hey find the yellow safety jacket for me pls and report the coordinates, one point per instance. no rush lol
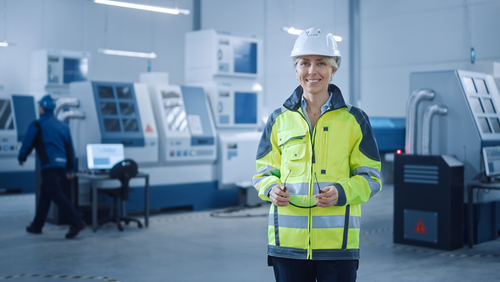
(342, 152)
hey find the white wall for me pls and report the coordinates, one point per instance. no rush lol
(80, 25)
(400, 37)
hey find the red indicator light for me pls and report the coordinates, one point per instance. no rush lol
(398, 152)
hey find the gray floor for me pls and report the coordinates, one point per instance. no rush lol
(193, 246)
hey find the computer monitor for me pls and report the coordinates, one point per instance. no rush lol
(104, 156)
(491, 156)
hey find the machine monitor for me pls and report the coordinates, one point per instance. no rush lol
(104, 156)
(491, 156)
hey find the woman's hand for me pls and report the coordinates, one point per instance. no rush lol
(328, 197)
(279, 197)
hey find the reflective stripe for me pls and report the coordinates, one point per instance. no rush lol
(256, 181)
(276, 229)
(289, 221)
(335, 254)
(301, 189)
(355, 222)
(335, 221)
(367, 172)
(300, 222)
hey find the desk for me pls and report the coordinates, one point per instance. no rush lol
(94, 178)
(470, 187)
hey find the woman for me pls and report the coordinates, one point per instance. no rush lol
(317, 161)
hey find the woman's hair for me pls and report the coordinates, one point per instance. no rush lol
(331, 61)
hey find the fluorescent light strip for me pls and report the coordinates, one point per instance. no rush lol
(294, 31)
(151, 55)
(4, 44)
(143, 7)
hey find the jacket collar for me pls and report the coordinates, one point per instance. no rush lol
(293, 103)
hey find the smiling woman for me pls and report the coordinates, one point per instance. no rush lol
(317, 162)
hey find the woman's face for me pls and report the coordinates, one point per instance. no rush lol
(313, 73)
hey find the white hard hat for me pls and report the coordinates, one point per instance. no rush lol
(315, 41)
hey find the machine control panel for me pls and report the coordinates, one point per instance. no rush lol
(482, 96)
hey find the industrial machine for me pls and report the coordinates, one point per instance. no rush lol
(229, 68)
(16, 114)
(115, 113)
(452, 115)
(187, 132)
(212, 54)
(52, 70)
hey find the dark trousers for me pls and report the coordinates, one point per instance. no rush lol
(297, 270)
(50, 190)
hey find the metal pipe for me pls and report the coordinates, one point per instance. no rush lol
(427, 126)
(62, 103)
(70, 115)
(411, 117)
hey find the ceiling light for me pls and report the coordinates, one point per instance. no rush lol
(174, 11)
(4, 44)
(151, 55)
(294, 31)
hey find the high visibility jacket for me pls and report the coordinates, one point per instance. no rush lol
(341, 152)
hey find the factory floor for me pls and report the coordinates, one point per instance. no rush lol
(195, 246)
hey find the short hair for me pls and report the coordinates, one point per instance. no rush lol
(331, 61)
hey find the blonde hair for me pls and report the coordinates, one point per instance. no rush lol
(331, 61)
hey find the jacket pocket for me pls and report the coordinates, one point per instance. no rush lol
(294, 149)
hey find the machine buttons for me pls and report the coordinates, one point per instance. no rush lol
(193, 153)
(172, 153)
(5, 148)
(186, 153)
(179, 153)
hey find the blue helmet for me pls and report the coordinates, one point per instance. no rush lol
(47, 102)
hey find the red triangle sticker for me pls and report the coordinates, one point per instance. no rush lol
(420, 228)
(149, 129)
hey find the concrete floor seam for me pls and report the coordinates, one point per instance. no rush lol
(59, 276)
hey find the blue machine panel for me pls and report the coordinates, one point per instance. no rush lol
(24, 112)
(245, 57)
(195, 103)
(75, 70)
(118, 114)
(389, 133)
(245, 108)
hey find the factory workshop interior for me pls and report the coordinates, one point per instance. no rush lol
(167, 102)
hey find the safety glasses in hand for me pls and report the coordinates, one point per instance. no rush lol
(302, 201)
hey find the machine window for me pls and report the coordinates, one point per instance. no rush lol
(488, 106)
(105, 92)
(476, 106)
(124, 92)
(483, 124)
(481, 86)
(127, 109)
(108, 108)
(469, 85)
(130, 125)
(6, 117)
(495, 123)
(112, 125)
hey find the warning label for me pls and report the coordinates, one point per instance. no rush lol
(149, 129)
(420, 228)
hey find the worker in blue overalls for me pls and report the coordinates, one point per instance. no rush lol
(52, 140)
